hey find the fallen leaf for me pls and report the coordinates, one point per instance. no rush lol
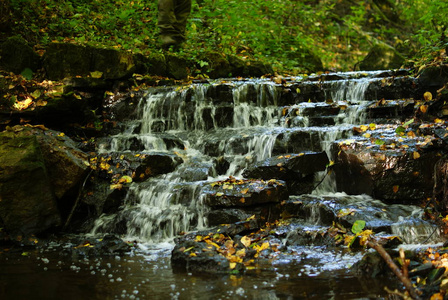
(427, 96)
(246, 241)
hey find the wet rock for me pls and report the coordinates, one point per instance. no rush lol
(201, 262)
(371, 265)
(241, 193)
(394, 173)
(440, 192)
(288, 166)
(265, 213)
(433, 77)
(41, 170)
(297, 170)
(16, 55)
(156, 164)
(382, 57)
(309, 236)
(107, 246)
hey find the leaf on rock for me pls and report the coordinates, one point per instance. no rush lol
(246, 241)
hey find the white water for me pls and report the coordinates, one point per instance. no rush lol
(169, 204)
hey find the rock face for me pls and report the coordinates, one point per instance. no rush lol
(40, 170)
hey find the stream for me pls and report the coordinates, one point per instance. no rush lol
(218, 130)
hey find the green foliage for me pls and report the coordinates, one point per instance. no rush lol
(358, 226)
(280, 32)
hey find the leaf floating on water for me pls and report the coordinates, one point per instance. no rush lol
(219, 194)
(416, 155)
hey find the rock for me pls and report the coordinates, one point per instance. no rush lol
(393, 172)
(288, 166)
(433, 77)
(156, 164)
(109, 245)
(305, 59)
(63, 60)
(154, 64)
(371, 265)
(40, 171)
(216, 66)
(382, 57)
(176, 66)
(242, 193)
(16, 55)
(200, 263)
(297, 170)
(67, 60)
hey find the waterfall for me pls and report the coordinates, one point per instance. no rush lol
(237, 122)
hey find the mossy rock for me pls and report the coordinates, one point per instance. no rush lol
(217, 65)
(306, 60)
(382, 57)
(16, 55)
(67, 60)
(64, 60)
(154, 64)
(176, 67)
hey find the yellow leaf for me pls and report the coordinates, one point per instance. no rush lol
(427, 96)
(241, 253)
(251, 218)
(416, 155)
(423, 108)
(192, 254)
(23, 104)
(117, 186)
(125, 179)
(232, 265)
(264, 246)
(96, 74)
(219, 194)
(246, 241)
(61, 134)
(395, 188)
(364, 127)
(244, 191)
(372, 126)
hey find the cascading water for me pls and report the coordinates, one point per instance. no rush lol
(238, 122)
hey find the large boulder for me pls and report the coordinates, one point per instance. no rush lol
(39, 175)
(394, 170)
(16, 55)
(382, 57)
